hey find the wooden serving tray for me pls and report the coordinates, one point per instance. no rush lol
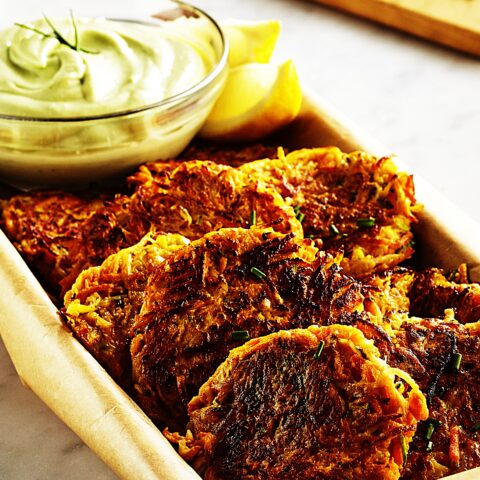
(51, 362)
(454, 23)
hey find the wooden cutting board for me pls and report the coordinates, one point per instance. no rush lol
(454, 23)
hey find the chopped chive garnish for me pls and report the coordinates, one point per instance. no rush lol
(429, 432)
(258, 273)
(310, 235)
(398, 384)
(240, 335)
(436, 423)
(319, 350)
(476, 427)
(432, 424)
(334, 229)
(296, 209)
(253, 218)
(300, 217)
(365, 222)
(403, 446)
(456, 361)
(265, 235)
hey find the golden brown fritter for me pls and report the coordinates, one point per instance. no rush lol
(60, 234)
(211, 295)
(104, 300)
(197, 197)
(351, 202)
(442, 356)
(303, 404)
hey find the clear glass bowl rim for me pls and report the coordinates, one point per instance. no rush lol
(178, 98)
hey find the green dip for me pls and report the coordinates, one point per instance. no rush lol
(131, 65)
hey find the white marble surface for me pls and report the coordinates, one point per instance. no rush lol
(420, 100)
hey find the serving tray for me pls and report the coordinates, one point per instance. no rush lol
(74, 386)
(454, 23)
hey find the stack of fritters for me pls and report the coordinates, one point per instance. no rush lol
(353, 203)
(269, 247)
(61, 234)
(219, 291)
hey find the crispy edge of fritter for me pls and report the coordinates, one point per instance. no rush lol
(387, 299)
(101, 305)
(198, 447)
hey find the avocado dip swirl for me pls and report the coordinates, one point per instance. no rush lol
(120, 66)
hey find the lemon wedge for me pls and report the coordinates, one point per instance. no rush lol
(257, 99)
(251, 41)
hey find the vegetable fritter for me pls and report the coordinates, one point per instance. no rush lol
(60, 234)
(197, 197)
(303, 404)
(220, 290)
(351, 202)
(103, 302)
(442, 357)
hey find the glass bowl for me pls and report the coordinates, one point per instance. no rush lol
(73, 151)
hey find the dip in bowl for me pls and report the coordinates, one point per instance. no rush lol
(84, 98)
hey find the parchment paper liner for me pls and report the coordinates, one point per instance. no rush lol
(70, 381)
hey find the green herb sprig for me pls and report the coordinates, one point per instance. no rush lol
(334, 230)
(240, 335)
(365, 222)
(253, 218)
(404, 449)
(258, 273)
(57, 35)
(319, 350)
(456, 361)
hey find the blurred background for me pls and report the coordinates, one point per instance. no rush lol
(420, 100)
